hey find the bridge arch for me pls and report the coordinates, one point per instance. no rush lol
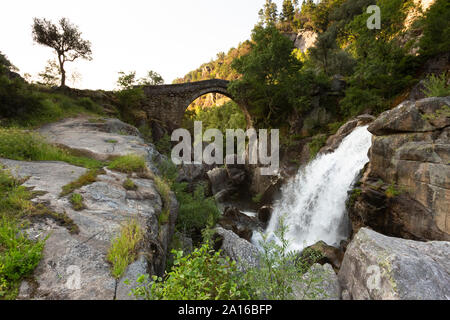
(168, 103)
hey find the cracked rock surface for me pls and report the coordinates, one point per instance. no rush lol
(74, 265)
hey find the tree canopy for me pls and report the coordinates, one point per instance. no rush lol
(65, 38)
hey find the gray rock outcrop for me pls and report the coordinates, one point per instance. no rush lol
(74, 264)
(405, 190)
(380, 267)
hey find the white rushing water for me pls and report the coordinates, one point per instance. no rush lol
(313, 203)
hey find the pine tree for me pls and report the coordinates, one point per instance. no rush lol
(287, 15)
(269, 13)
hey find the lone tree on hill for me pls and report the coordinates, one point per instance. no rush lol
(65, 39)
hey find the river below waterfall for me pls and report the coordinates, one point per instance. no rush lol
(313, 203)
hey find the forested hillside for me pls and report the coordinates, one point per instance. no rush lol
(350, 70)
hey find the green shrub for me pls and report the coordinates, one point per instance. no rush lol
(128, 184)
(201, 275)
(90, 105)
(280, 271)
(257, 198)
(128, 164)
(123, 250)
(436, 86)
(76, 200)
(196, 211)
(316, 144)
(22, 104)
(164, 145)
(19, 256)
(392, 191)
(28, 146)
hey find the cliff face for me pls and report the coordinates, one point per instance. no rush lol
(405, 189)
(305, 39)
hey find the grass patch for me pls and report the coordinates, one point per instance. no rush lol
(86, 179)
(128, 184)
(164, 190)
(18, 254)
(111, 141)
(392, 191)
(76, 200)
(128, 164)
(17, 144)
(123, 250)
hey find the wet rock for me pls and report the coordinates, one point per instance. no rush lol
(236, 172)
(380, 267)
(238, 222)
(335, 140)
(417, 91)
(264, 214)
(329, 254)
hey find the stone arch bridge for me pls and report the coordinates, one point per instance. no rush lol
(168, 103)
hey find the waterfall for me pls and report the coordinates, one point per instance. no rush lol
(313, 203)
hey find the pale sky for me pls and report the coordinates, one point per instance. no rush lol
(171, 37)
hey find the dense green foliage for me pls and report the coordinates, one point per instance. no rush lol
(227, 116)
(437, 86)
(202, 275)
(279, 275)
(196, 211)
(436, 29)
(271, 85)
(23, 104)
(206, 274)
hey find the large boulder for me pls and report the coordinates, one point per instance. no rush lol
(238, 222)
(380, 267)
(221, 185)
(320, 282)
(328, 254)
(405, 189)
(242, 251)
(335, 140)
